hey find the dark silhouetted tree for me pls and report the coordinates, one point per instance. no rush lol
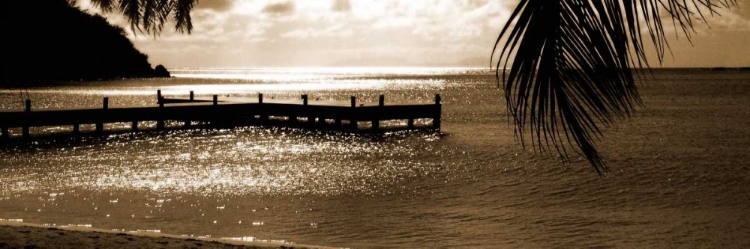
(50, 40)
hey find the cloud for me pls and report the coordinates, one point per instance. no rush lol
(274, 32)
(337, 31)
(341, 6)
(279, 8)
(216, 5)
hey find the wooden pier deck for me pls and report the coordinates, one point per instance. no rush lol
(228, 114)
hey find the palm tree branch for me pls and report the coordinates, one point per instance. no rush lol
(566, 65)
(150, 16)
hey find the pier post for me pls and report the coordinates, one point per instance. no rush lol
(263, 116)
(310, 119)
(352, 120)
(410, 124)
(77, 130)
(159, 98)
(100, 125)
(376, 120)
(134, 126)
(160, 121)
(436, 117)
(188, 123)
(25, 128)
(26, 133)
(214, 119)
(6, 134)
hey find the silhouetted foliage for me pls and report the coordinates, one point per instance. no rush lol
(161, 71)
(570, 64)
(50, 40)
(149, 16)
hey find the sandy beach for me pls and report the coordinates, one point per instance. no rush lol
(25, 235)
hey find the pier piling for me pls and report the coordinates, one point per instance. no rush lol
(160, 122)
(25, 128)
(310, 119)
(353, 122)
(215, 115)
(376, 121)
(436, 117)
(263, 117)
(100, 125)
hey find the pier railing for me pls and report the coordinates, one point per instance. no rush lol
(214, 113)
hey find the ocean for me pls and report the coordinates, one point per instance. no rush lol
(678, 167)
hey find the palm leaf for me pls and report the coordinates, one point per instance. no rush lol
(566, 65)
(150, 16)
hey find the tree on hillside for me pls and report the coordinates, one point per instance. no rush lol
(64, 43)
(566, 65)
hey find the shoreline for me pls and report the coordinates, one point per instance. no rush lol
(16, 234)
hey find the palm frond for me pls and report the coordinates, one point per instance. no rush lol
(150, 16)
(566, 65)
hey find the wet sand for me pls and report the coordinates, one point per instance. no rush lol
(24, 235)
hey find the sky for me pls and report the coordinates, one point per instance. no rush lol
(405, 33)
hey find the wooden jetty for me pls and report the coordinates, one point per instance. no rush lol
(228, 114)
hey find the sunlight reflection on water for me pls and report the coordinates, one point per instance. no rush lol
(226, 162)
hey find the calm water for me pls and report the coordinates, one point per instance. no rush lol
(679, 168)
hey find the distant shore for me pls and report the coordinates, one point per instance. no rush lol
(26, 235)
